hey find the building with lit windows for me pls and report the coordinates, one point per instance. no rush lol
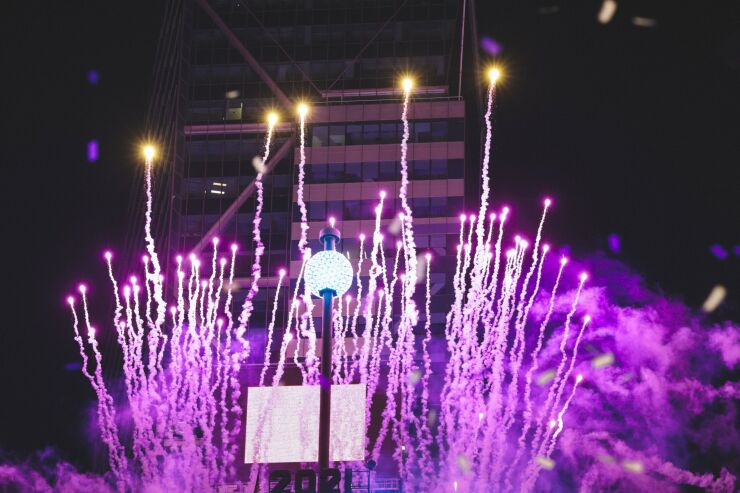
(233, 60)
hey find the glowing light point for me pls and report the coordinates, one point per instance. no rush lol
(82, 288)
(133, 280)
(362, 236)
(178, 259)
(70, 300)
(492, 216)
(399, 245)
(545, 247)
(584, 276)
(145, 259)
(564, 260)
(215, 240)
(332, 221)
(108, 255)
(548, 202)
(494, 74)
(382, 194)
(222, 261)
(281, 272)
(480, 416)
(348, 298)
(149, 152)
(579, 378)
(552, 423)
(272, 118)
(428, 256)
(173, 310)
(302, 110)
(407, 83)
(463, 217)
(234, 247)
(587, 318)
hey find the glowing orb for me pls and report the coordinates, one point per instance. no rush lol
(149, 152)
(328, 269)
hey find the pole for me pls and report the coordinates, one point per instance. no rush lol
(325, 383)
(329, 237)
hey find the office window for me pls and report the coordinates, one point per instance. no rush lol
(353, 172)
(320, 136)
(354, 135)
(419, 169)
(335, 173)
(316, 211)
(371, 133)
(388, 171)
(438, 169)
(389, 133)
(370, 172)
(336, 135)
(317, 172)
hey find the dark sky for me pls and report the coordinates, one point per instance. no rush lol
(634, 131)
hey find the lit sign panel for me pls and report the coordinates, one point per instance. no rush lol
(283, 424)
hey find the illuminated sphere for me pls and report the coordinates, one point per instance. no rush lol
(328, 269)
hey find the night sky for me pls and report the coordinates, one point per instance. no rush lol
(634, 131)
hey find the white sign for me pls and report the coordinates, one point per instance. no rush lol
(283, 424)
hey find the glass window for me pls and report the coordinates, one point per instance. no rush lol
(371, 133)
(438, 168)
(316, 211)
(320, 136)
(336, 135)
(352, 209)
(439, 131)
(388, 170)
(353, 172)
(419, 169)
(335, 173)
(354, 134)
(420, 206)
(370, 172)
(334, 208)
(389, 133)
(317, 172)
(422, 132)
(438, 207)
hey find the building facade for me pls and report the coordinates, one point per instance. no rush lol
(241, 58)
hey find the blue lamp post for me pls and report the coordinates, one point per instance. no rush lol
(328, 274)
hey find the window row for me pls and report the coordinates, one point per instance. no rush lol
(387, 132)
(424, 169)
(365, 209)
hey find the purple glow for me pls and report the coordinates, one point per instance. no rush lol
(92, 151)
(615, 243)
(93, 77)
(719, 252)
(491, 46)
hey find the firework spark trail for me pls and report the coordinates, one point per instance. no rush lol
(156, 279)
(271, 328)
(544, 411)
(532, 369)
(485, 179)
(303, 241)
(425, 441)
(350, 364)
(562, 412)
(564, 380)
(408, 218)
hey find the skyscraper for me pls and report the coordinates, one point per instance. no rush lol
(234, 60)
